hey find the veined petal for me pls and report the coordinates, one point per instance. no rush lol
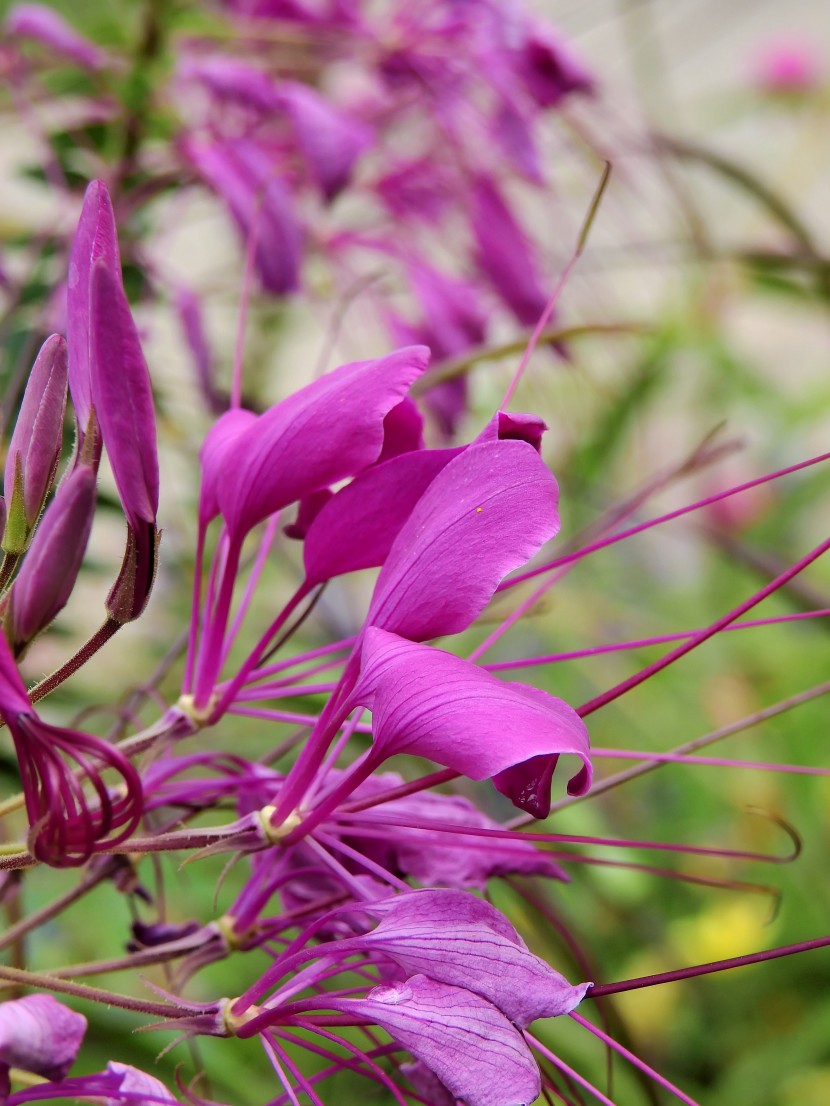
(331, 429)
(214, 457)
(469, 1044)
(357, 526)
(456, 938)
(487, 512)
(429, 703)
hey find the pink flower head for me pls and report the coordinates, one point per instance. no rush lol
(67, 825)
(788, 67)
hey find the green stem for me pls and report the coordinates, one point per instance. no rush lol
(46, 982)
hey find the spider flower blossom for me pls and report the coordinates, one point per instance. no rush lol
(458, 986)
(67, 825)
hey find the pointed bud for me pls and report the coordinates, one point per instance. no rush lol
(96, 237)
(49, 572)
(36, 444)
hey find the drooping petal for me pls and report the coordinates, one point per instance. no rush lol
(327, 431)
(40, 1035)
(455, 938)
(429, 703)
(469, 1044)
(487, 512)
(122, 396)
(35, 447)
(96, 237)
(47, 576)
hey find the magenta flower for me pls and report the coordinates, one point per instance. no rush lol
(34, 450)
(429, 703)
(67, 825)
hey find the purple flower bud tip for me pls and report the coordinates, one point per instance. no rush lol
(40, 1035)
(36, 443)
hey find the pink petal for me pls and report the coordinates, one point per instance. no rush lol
(487, 512)
(40, 1035)
(469, 1045)
(429, 703)
(456, 938)
(327, 431)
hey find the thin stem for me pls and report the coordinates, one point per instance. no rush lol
(560, 285)
(703, 635)
(70, 667)
(93, 994)
(706, 969)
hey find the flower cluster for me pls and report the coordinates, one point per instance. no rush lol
(368, 830)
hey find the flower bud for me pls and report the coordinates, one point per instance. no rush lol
(36, 444)
(48, 574)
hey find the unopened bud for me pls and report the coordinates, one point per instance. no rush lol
(50, 569)
(36, 445)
